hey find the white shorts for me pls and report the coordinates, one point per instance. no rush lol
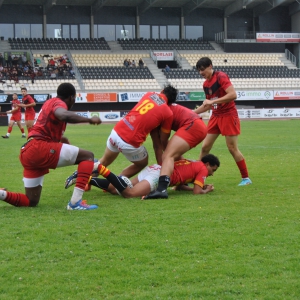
(67, 157)
(151, 174)
(116, 144)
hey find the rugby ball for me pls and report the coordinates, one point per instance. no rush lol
(127, 181)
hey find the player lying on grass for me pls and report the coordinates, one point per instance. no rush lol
(185, 171)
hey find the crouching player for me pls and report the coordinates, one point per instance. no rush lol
(46, 148)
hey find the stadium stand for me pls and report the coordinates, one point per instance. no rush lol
(102, 71)
(247, 71)
(58, 44)
(165, 44)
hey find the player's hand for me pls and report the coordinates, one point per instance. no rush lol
(95, 120)
(21, 105)
(65, 140)
(208, 187)
(207, 103)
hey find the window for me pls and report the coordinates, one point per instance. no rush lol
(84, 30)
(107, 31)
(125, 31)
(22, 30)
(53, 30)
(173, 32)
(74, 31)
(193, 32)
(36, 30)
(145, 31)
(7, 30)
(66, 31)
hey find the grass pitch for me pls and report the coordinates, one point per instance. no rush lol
(233, 243)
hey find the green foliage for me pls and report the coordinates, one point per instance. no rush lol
(234, 243)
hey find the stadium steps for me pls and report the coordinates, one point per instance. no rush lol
(115, 46)
(4, 46)
(217, 47)
(156, 72)
(287, 62)
(185, 64)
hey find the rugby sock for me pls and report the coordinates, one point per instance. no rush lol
(85, 169)
(77, 195)
(99, 183)
(163, 183)
(22, 130)
(9, 130)
(115, 180)
(243, 168)
(15, 199)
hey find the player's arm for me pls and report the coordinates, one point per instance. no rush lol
(64, 140)
(199, 190)
(182, 187)
(157, 146)
(230, 96)
(201, 109)
(27, 105)
(70, 117)
(12, 110)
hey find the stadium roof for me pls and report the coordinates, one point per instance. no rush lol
(228, 6)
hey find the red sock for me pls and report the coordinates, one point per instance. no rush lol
(85, 169)
(9, 130)
(17, 199)
(243, 168)
(22, 130)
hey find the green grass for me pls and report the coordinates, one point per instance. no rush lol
(234, 243)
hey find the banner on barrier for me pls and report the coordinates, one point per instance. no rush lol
(131, 96)
(265, 113)
(277, 37)
(164, 55)
(286, 95)
(255, 95)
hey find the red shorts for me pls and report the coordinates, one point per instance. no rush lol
(29, 116)
(227, 125)
(16, 117)
(38, 156)
(194, 133)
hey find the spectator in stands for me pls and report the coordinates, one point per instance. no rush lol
(24, 60)
(167, 68)
(20, 61)
(72, 73)
(32, 76)
(53, 75)
(39, 73)
(1, 60)
(125, 63)
(133, 64)
(141, 63)
(9, 61)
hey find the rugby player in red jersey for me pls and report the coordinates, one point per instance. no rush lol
(15, 117)
(28, 104)
(220, 96)
(47, 148)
